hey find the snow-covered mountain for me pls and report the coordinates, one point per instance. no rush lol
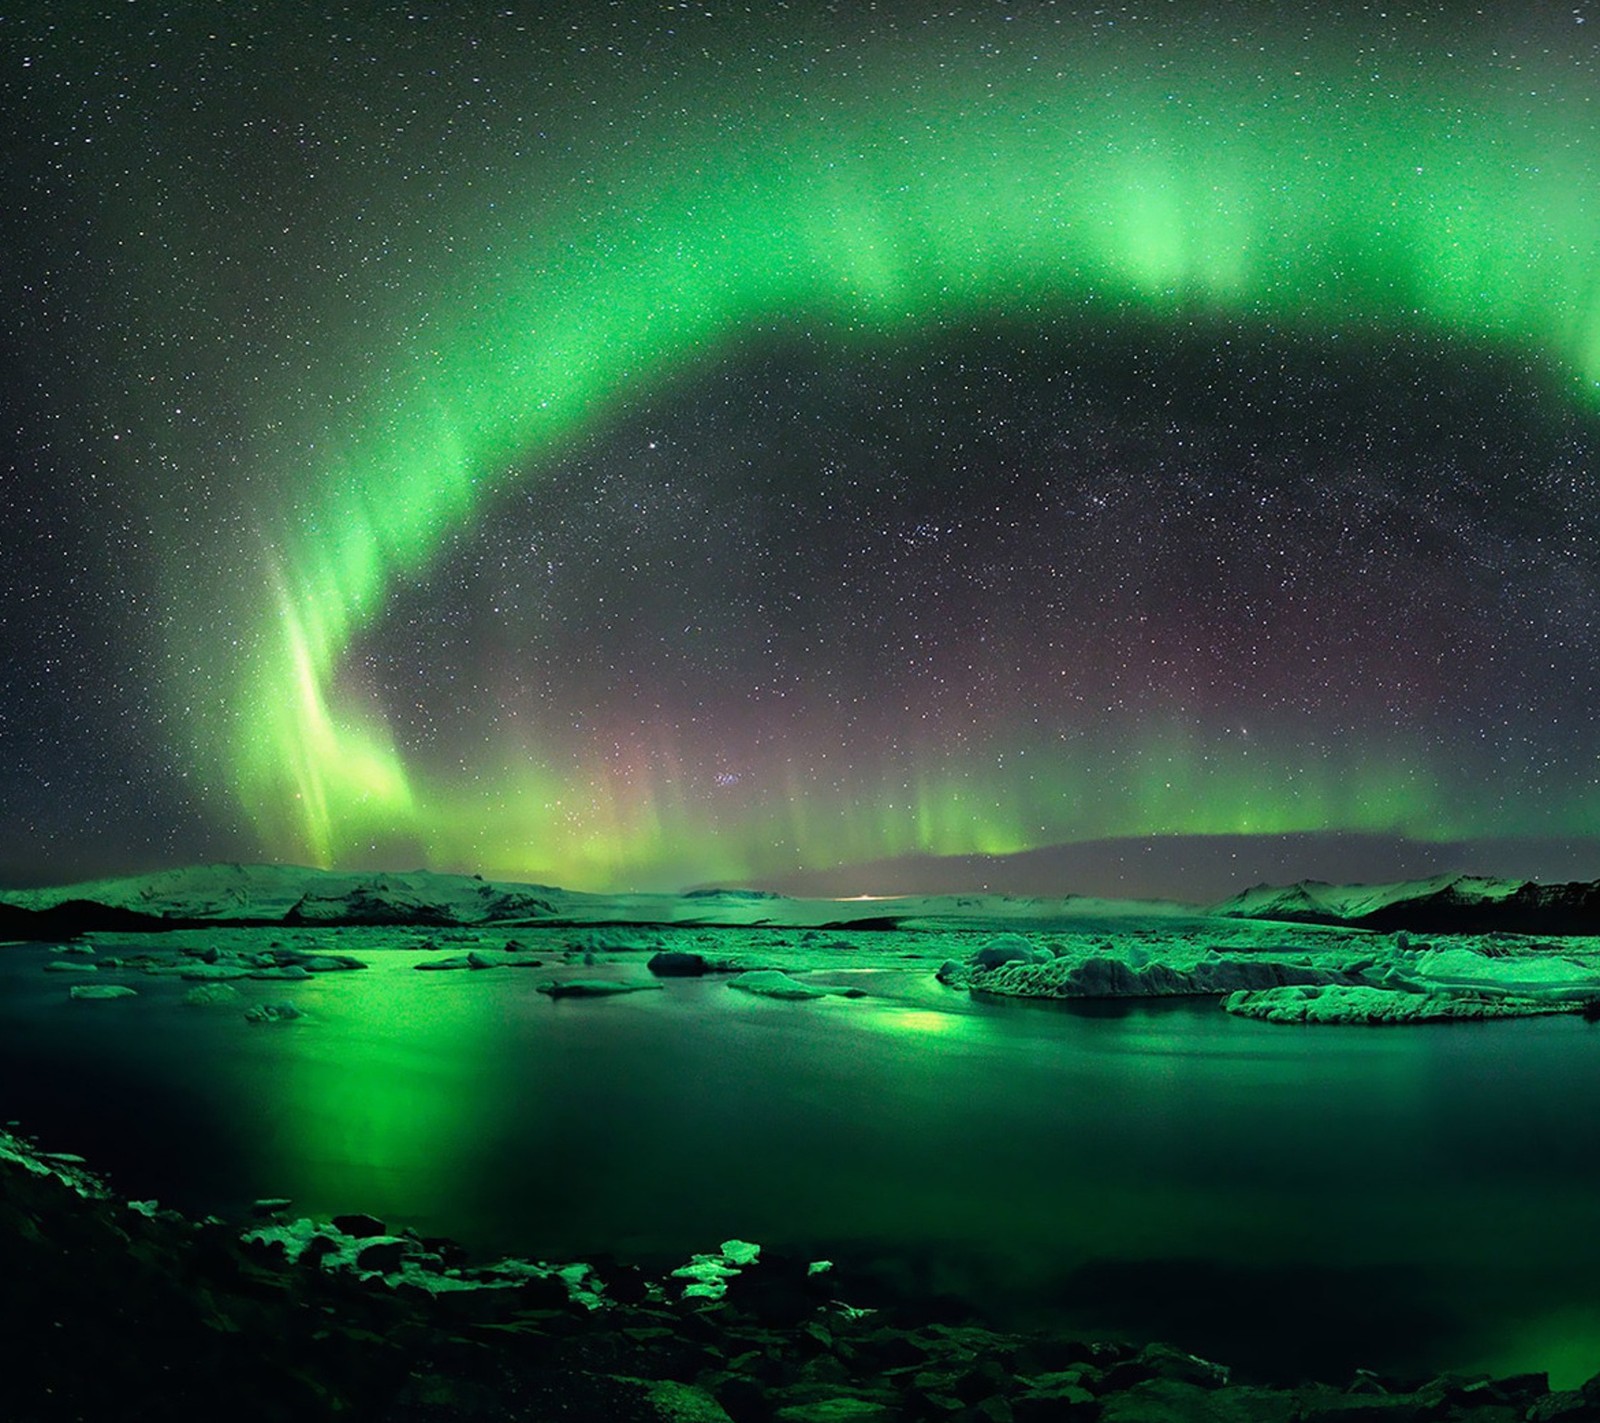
(1442, 904)
(242, 895)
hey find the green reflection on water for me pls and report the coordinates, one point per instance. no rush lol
(388, 1098)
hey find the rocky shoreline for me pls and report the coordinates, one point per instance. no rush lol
(121, 1310)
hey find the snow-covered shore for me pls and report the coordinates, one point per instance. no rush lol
(1278, 956)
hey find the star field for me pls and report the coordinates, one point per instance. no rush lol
(647, 445)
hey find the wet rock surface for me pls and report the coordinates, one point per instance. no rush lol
(121, 1310)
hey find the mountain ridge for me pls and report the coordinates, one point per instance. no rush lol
(239, 895)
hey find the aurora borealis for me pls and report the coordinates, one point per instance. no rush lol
(635, 446)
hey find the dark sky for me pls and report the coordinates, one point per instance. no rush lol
(644, 446)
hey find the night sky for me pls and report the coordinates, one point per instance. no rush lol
(850, 448)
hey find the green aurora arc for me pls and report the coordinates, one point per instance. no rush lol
(874, 219)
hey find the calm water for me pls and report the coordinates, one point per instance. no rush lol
(1287, 1199)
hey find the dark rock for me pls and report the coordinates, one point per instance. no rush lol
(445, 1248)
(367, 904)
(988, 1377)
(1358, 1409)
(825, 1368)
(1052, 1353)
(674, 963)
(1049, 1397)
(890, 1349)
(697, 1324)
(1170, 1363)
(1168, 1401)
(270, 1253)
(625, 1284)
(317, 1248)
(834, 1406)
(814, 1338)
(1525, 1388)
(538, 1292)
(1568, 1406)
(384, 1256)
(1478, 1391)
(359, 1226)
(743, 1399)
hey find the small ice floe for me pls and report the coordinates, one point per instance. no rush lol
(1549, 976)
(774, 983)
(208, 995)
(1340, 1003)
(273, 1013)
(270, 1205)
(594, 988)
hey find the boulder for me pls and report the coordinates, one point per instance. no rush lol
(675, 963)
(360, 1226)
(384, 1256)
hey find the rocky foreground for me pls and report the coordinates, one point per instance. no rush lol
(119, 1310)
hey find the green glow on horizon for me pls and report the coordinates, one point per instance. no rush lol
(1345, 213)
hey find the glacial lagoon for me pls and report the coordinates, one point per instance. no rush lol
(1294, 1201)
